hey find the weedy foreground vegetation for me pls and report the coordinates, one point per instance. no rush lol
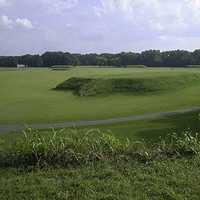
(94, 165)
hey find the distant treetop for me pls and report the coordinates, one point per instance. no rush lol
(150, 58)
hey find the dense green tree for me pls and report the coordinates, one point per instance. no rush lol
(177, 58)
(151, 58)
(8, 61)
(102, 61)
(196, 57)
(53, 58)
(115, 61)
(31, 60)
(129, 58)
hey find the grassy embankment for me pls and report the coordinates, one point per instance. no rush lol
(132, 86)
(27, 95)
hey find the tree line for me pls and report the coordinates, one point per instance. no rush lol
(150, 58)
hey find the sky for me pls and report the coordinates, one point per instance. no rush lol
(85, 26)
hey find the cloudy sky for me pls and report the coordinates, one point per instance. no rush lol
(35, 26)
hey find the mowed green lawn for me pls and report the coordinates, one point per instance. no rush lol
(26, 96)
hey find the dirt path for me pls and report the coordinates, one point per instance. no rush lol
(6, 128)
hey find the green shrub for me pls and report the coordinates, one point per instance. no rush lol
(60, 149)
(71, 148)
(181, 146)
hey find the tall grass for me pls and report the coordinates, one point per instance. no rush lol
(70, 148)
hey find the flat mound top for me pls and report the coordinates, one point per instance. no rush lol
(118, 84)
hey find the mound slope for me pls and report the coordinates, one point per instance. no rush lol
(101, 86)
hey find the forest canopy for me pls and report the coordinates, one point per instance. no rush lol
(149, 58)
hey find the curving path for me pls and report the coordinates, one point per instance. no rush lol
(6, 128)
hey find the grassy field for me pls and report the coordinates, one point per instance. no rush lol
(147, 130)
(27, 95)
(78, 164)
(167, 180)
(152, 130)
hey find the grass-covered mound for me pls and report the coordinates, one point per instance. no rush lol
(101, 86)
(61, 67)
(34, 87)
(136, 66)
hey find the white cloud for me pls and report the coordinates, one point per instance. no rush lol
(24, 22)
(59, 6)
(156, 14)
(4, 3)
(5, 22)
(68, 25)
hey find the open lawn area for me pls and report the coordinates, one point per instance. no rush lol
(27, 96)
(105, 162)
